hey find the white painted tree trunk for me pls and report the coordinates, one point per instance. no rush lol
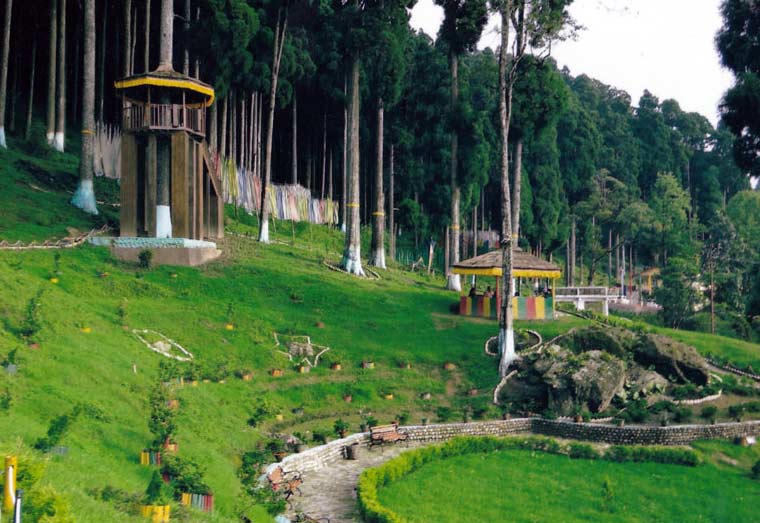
(453, 281)
(50, 135)
(377, 259)
(506, 320)
(60, 125)
(278, 43)
(84, 197)
(352, 262)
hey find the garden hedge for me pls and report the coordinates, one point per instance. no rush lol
(372, 479)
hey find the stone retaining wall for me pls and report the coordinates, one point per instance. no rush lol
(644, 435)
(318, 457)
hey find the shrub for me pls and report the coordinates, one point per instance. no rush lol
(736, 412)
(582, 451)
(145, 258)
(756, 470)
(444, 413)
(709, 413)
(158, 492)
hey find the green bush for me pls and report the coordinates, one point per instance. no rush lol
(709, 413)
(756, 470)
(145, 258)
(582, 451)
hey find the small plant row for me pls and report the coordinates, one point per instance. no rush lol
(371, 479)
(728, 365)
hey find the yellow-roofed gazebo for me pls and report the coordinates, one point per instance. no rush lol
(532, 302)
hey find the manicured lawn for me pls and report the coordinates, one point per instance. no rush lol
(528, 487)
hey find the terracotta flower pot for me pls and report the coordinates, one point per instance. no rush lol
(449, 366)
(276, 373)
(388, 396)
(248, 376)
(347, 398)
(336, 366)
(304, 369)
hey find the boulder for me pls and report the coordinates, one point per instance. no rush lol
(599, 379)
(642, 382)
(591, 379)
(615, 340)
(671, 359)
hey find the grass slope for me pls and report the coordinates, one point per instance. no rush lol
(526, 487)
(283, 287)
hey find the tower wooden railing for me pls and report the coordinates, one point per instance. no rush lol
(164, 117)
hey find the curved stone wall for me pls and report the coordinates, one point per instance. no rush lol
(318, 457)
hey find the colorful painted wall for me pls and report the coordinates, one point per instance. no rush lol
(525, 307)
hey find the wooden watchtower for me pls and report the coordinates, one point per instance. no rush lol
(168, 189)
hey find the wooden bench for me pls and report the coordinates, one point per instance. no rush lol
(287, 483)
(382, 434)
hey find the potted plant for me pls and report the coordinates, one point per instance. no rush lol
(155, 502)
(449, 366)
(368, 363)
(336, 365)
(276, 447)
(340, 427)
(276, 373)
(302, 368)
(404, 364)
(348, 393)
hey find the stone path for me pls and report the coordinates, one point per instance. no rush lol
(330, 492)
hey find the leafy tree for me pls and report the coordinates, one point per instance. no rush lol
(671, 206)
(739, 47)
(461, 29)
(677, 295)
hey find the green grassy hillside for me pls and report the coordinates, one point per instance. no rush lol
(63, 316)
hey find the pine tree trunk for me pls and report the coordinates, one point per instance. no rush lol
(474, 231)
(60, 124)
(186, 38)
(223, 144)
(84, 198)
(324, 156)
(506, 320)
(165, 61)
(30, 104)
(51, 101)
(278, 43)
(14, 94)
(4, 68)
(102, 72)
(377, 259)
(74, 82)
(126, 38)
(330, 177)
(146, 48)
(391, 211)
(344, 165)
(294, 144)
(516, 189)
(212, 132)
(352, 262)
(163, 146)
(133, 41)
(453, 282)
